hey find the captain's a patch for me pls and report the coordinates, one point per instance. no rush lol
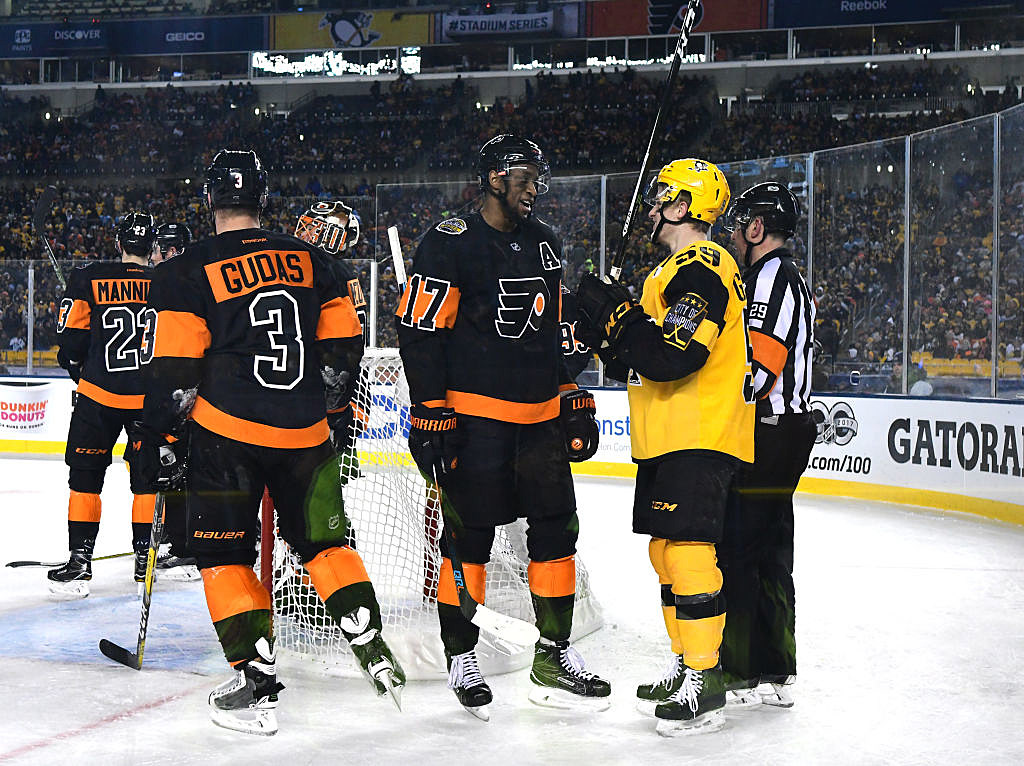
(683, 319)
(452, 226)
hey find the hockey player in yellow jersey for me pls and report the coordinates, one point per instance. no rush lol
(684, 352)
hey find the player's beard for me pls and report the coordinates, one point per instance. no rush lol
(513, 212)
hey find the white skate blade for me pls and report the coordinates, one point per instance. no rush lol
(711, 721)
(559, 699)
(775, 695)
(394, 688)
(68, 591)
(187, 573)
(480, 711)
(738, 699)
(262, 722)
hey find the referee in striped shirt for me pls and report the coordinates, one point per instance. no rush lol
(756, 555)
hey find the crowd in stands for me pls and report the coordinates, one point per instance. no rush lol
(59, 9)
(861, 83)
(586, 123)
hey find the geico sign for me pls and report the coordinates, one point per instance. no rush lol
(76, 34)
(184, 37)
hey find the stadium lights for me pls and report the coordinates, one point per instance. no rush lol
(890, 168)
(188, 181)
(256, 111)
(46, 116)
(302, 137)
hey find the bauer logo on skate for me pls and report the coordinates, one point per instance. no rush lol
(23, 408)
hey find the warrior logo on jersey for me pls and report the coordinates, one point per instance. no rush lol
(547, 257)
(452, 226)
(521, 304)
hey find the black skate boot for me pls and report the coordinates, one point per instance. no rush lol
(649, 696)
(465, 680)
(374, 655)
(697, 706)
(560, 680)
(141, 562)
(71, 580)
(247, 702)
(174, 568)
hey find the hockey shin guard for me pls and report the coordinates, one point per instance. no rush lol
(458, 634)
(700, 609)
(553, 590)
(240, 608)
(340, 579)
(656, 551)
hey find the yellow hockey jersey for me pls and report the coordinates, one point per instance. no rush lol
(713, 408)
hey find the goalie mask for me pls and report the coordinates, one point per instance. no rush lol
(330, 225)
(135, 234)
(506, 151)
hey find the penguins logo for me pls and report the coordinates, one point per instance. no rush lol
(837, 425)
(350, 30)
(521, 304)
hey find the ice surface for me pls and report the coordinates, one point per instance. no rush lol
(910, 645)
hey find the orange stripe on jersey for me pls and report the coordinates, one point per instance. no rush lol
(552, 579)
(142, 509)
(78, 316)
(235, 277)
(182, 334)
(476, 582)
(436, 303)
(84, 506)
(260, 434)
(106, 291)
(567, 387)
(499, 409)
(232, 590)
(334, 569)
(769, 351)
(338, 319)
(107, 399)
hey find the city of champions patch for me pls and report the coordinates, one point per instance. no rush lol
(452, 226)
(683, 319)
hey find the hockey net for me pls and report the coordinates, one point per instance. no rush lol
(396, 527)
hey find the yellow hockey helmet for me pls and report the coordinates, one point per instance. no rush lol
(706, 184)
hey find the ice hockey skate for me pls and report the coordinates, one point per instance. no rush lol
(561, 681)
(247, 702)
(465, 679)
(696, 707)
(775, 691)
(649, 696)
(741, 693)
(374, 656)
(71, 580)
(174, 568)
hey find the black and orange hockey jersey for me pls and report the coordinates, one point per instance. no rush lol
(104, 326)
(478, 323)
(250, 317)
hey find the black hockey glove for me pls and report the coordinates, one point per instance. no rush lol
(73, 366)
(157, 459)
(605, 308)
(340, 424)
(579, 421)
(432, 439)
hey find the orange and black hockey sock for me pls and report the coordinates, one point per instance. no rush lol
(553, 590)
(142, 520)
(458, 634)
(700, 607)
(656, 551)
(240, 608)
(83, 520)
(340, 579)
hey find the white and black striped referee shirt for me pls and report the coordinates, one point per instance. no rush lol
(781, 334)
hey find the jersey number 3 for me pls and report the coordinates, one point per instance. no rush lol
(278, 313)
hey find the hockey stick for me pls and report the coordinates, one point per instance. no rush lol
(43, 205)
(109, 648)
(627, 226)
(508, 630)
(58, 563)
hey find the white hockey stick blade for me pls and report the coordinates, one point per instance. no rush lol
(396, 256)
(509, 629)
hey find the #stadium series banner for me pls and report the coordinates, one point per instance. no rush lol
(563, 21)
(348, 29)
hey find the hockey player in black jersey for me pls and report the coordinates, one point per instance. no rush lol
(496, 418)
(248, 321)
(105, 339)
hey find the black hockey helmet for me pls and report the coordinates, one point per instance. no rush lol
(236, 179)
(330, 225)
(135, 232)
(771, 201)
(175, 235)
(505, 151)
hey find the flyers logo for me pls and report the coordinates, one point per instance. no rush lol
(521, 304)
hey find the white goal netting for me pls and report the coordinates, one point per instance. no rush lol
(396, 527)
